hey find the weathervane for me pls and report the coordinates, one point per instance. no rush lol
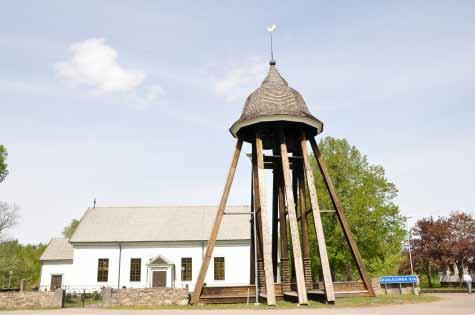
(271, 30)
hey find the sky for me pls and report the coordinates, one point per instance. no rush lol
(130, 102)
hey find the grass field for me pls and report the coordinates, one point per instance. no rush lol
(344, 302)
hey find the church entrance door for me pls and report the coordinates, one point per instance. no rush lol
(159, 279)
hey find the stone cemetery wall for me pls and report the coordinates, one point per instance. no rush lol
(31, 300)
(144, 297)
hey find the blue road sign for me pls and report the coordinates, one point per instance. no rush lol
(398, 279)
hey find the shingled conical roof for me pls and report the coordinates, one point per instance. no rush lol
(275, 101)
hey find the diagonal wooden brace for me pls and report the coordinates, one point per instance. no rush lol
(322, 248)
(341, 217)
(292, 216)
(266, 239)
(217, 224)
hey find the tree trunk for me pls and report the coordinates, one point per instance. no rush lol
(428, 272)
(460, 270)
(349, 272)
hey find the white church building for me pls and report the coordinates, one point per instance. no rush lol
(148, 247)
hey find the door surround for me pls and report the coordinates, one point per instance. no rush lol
(160, 263)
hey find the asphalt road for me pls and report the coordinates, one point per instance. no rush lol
(452, 304)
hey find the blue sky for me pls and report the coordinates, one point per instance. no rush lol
(130, 102)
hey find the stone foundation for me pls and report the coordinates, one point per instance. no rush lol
(31, 300)
(144, 297)
(307, 268)
(261, 277)
(285, 274)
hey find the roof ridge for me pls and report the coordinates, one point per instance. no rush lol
(169, 206)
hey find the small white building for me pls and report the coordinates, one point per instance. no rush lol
(450, 276)
(148, 247)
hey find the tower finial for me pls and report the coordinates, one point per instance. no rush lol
(271, 30)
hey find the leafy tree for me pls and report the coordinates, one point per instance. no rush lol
(442, 243)
(71, 228)
(461, 241)
(368, 200)
(8, 217)
(23, 261)
(3, 163)
(430, 246)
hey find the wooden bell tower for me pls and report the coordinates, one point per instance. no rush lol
(276, 119)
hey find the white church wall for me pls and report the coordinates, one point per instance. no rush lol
(236, 266)
(85, 265)
(49, 268)
(149, 251)
(82, 274)
(237, 257)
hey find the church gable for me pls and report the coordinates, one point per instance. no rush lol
(160, 260)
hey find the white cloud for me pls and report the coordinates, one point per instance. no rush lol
(143, 97)
(95, 64)
(153, 93)
(238, 82)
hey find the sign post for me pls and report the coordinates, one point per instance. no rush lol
(398, 280)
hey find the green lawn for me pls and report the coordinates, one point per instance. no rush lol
(343, 302)
(444, 290)
(77, 303)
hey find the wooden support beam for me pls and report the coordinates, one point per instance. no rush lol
(257, 207)
(284, 251)
(341, 216)
(303, 214)
(322, 248)
(307, 257)
(252, 256)
(266, 241)
(257, 203)
(284, 241)
(295, 188)
(272, 165)
(271, 161)
(277, 158)
(294, 231)
(275, 219)
(217, 224)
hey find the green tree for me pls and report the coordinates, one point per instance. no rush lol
(3, 163)
(367, 197)
(71, 228)
(23, 261)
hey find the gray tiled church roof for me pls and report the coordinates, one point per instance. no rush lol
(163, 223)
(58, 249)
